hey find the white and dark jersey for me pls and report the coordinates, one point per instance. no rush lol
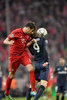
(39, 50)
(61, 72)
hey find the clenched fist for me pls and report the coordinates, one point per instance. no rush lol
(45, 64)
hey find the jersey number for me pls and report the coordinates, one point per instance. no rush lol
(36, 47)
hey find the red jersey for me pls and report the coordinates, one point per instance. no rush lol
(20, 39)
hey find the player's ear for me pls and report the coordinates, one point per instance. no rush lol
(28, 28)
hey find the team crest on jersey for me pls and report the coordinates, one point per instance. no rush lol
(12, 35)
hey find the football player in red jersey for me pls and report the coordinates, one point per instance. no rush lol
(18, 54)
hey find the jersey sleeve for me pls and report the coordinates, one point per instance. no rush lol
(45, 53)
(13, 34)
(30, 49)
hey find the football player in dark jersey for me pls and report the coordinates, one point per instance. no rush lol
(38, 49)
(61, 72)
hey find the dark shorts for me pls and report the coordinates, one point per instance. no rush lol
(41, 73)
(61, 89)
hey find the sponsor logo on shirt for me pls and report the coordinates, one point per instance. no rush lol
(23, 40)
(62, 72)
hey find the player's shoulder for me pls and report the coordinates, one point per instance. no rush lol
(58, 66)
(44, 40)
(65, 66)
(16, 30)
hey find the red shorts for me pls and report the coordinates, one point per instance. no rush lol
(15, 61)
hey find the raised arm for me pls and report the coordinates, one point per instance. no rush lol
(7, 41)
(29, 43)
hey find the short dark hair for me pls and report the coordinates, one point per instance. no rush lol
(62, 57)
(31, 25)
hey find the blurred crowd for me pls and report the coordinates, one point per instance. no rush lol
(50, 14)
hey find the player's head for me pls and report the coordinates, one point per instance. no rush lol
(29, 28)
(42, 32)
(61, 61)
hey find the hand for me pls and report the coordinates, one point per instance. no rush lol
(33, 40)
(45, 64)
(11, 42)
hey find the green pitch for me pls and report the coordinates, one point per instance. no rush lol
(32, 98)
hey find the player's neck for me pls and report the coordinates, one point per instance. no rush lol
(24, 31)
(62, 65)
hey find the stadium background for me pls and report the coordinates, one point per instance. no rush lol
(50, 14)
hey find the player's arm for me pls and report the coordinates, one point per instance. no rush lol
(7, 41)
(11, 36)
(30, 43)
